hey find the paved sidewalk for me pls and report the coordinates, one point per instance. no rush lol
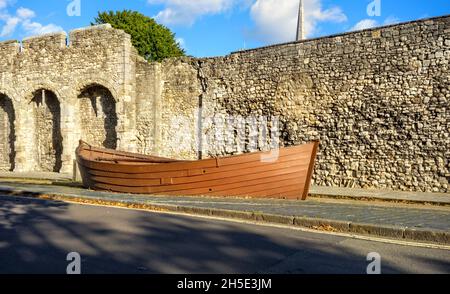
(400, 221)
(315, 191)
(381, 195)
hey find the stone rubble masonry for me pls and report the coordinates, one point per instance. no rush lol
(89, 61)
(378, 101)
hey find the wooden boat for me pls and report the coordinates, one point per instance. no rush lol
(287, 174)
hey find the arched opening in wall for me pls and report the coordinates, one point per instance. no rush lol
(7, 134)
(47, 115)
(97, 108)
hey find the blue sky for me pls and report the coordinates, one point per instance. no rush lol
(218, 27)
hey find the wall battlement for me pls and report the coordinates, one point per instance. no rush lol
(81, 37)
(47, 42)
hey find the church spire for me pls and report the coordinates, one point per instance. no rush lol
(301, 22)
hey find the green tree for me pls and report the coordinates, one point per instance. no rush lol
(153, 41)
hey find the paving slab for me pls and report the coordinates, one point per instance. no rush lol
(378, 194)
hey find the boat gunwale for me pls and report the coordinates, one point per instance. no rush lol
(145, 158)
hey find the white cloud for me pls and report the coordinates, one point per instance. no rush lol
(4, 3)
(369, 23)
(10, 26)
(25, 13)
(276, 20)
(364, 24)
(186, 12)
(23, 17)
(3, 13)
(35, 28)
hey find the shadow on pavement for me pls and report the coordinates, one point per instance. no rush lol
(37, 235)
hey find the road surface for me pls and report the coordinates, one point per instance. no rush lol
(37, 235)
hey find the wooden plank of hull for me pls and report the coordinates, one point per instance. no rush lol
(202, 174)
(203, 181)
(192, 189)
(281, 188)
(242, 175)
(143, 176)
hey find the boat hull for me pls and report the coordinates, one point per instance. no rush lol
(284, 173)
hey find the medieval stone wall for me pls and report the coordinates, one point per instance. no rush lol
(378, 100)
(90, 80)
(168, 98)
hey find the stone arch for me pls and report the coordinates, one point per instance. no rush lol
(10, 93)
(7, 133)
(98, 116)
(30, 92)
(88, 82)
(47, 133)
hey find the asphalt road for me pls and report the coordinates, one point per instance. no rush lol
(37, 235)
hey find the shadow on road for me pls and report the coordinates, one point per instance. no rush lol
(37, 235)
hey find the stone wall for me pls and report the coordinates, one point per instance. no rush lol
(95, 64)
(168, 98)
(378, 100)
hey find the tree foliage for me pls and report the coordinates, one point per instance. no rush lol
(152, 40)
